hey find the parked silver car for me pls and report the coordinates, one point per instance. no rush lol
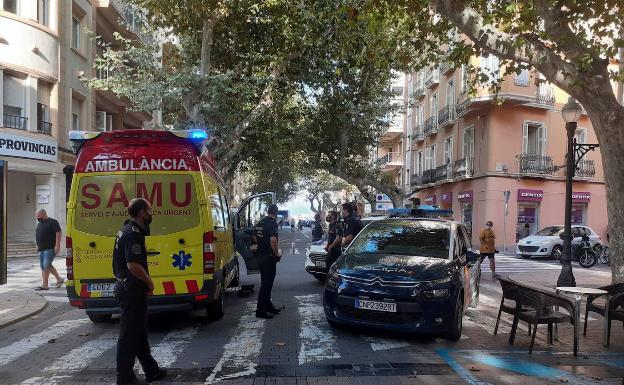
(547, 242)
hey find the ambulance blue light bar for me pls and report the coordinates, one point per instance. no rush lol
(191, 134)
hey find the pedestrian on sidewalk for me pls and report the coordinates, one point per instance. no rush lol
(317, 230)
(268, 255)
(132, 287)
(48, 239)
(487, 238)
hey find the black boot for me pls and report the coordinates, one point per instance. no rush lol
(159, 374)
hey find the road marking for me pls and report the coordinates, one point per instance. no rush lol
(80, 357)
(5, 311)
(379, 343)
(28, 344)
(51, 298)
(460, 370)
(165, 352)
(48, 381)
(317, 340)
(242, 351)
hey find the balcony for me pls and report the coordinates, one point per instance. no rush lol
(389, 162)
(416, 180)
(433, 78)
(133, 26)
(462, 168)
(443, 173)
(418, 136)
(545, 96)
(585, 169)
(431, 126)
(428, 176)
(446, 117)
(13, 121)
(531, 164)
(391, 132)
(462, 108)
(44, 128)
(445, 68)
(419, 92)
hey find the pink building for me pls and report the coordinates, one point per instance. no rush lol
(467, 151)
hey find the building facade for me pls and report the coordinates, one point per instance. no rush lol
(46, 47)
(469, 152)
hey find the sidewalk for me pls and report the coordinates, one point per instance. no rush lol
(19, 305)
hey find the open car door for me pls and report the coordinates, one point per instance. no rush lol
(248, 215)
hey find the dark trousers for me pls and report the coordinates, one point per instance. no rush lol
(268, 269)
(132, 341)
(333, 255)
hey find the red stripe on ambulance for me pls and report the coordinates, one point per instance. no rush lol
(191, 286)
(169, 287)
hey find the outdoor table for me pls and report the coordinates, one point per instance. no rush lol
(579, 292)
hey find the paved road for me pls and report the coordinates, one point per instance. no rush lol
(60, 346)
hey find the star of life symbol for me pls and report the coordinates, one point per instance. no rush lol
(182, 260)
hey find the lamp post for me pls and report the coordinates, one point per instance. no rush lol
(571, 112)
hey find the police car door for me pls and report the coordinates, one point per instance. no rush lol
(247, 216)
(473, 268)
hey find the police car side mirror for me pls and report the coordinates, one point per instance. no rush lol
(472, 256)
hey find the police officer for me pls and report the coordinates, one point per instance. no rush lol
(268, 255)
(133, 286)
(334, 239)
(351, 225)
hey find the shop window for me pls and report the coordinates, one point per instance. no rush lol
(528, 218)
(578, 214)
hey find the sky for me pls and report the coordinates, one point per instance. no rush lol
(298, 206)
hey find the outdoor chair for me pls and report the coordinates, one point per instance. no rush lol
(539, 306)
(616, 306)
(508, 304)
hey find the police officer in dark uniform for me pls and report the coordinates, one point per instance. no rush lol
(132, 287)
(268, 255)
(334, 239)
(351, 224)
(317, 230)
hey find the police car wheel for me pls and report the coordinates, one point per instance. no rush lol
(214, 310)
(99, 318)
(455, 330)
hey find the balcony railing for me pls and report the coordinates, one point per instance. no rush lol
(431, 126)
(133, 20)
(433, 77)
(44, 128)
(536, 164)
(419, 92)
(13, 121)
(545, 95)
(418, 134)
(446, 116)
(445, 68)
(462, 168)
(443, 172)
(428, 176)
(391, 157)
(416, 180)
(462, 108)
(585, 169)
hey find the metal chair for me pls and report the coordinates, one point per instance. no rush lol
(508, 304)
(616, 307)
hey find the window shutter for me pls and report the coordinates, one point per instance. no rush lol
(525, 138)
(541, 145)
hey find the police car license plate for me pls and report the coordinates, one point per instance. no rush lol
(319, 264)
(106, 288)
(375, 305)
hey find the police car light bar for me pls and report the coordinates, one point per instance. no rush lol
(191, 134)
(77, 138)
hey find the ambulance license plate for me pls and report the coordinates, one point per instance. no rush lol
(106, 288)
(375, 305)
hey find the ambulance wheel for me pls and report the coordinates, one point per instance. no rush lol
(236, 280)
(214, 310)
(99, 318)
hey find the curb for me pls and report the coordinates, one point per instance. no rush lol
(29, 305)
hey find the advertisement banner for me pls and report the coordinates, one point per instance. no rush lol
(430, 200)
(446, 197)
(581, 197)
(526, 195)
(465, 196)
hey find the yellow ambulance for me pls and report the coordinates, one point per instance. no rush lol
(191, 249)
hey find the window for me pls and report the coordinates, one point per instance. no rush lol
(218, 220)
(448, 150)
(14, 98)
(581, 135)
(450, 93)
(491, 66)
(522, 79)
(75, 122)
(464, 79)
(418, 163)
(433, 104)
(100, 120)
(10, 5)
(76, 109)
(75, 33)
(430, 158)
(43, 12)
(410, 122)
(468, 143)
(533, 139)
(43, 118)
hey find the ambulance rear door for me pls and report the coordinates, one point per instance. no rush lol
(248, 215)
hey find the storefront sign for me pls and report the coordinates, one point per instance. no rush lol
(430, 200)
(26, 147)
(525, 195)
(465, 196)
(446, 197)
(581, 197)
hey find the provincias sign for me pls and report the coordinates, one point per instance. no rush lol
(26, 147)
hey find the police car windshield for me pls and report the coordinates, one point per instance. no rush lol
(404, 237)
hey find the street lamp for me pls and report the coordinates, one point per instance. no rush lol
(571, 113)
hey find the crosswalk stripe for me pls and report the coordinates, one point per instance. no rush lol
(166, 351)
(242, 350)
(80, 357)
(34, 341)
(379, 343)
(317, 340)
